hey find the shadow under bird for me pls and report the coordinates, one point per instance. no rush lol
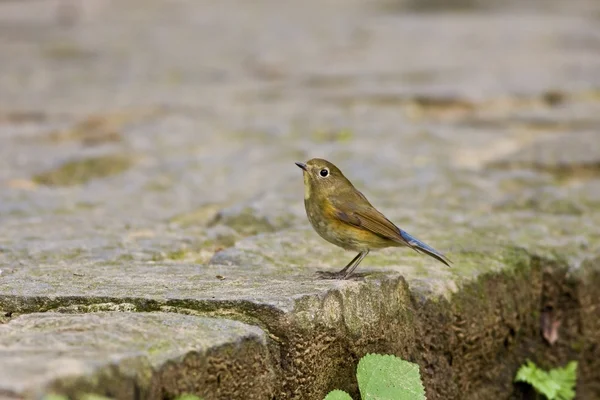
(343, 216)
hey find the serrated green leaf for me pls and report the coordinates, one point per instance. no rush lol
(337, 395)
(558, 384)
(386, 377)
(566, 378)
(538, 378)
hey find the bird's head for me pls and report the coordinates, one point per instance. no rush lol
(322, 178)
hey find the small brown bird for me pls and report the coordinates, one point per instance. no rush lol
(343, 216)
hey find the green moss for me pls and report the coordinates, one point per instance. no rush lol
(198, 217)
(92, 396)
(64, 255)
(578, 345)
(516, 267)
(5, 317)
(401, 255)
(67, 51)
(126, 257)
(219, 242)
(186, 396)
(246, 222)
(177, 254)
(81, 171)
(245, 312)
(73, 254)
(158, 185)
(84, 205)
(336, 136)
(158, 256)
(197, 251)
(52, 396)
(546, 205)
(16, 213)
(159, 347)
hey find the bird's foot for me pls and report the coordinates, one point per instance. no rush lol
(331, 275)
(339, 275)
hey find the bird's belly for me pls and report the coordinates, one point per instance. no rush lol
(346, 236)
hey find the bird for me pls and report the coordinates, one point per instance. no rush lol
(343, 216)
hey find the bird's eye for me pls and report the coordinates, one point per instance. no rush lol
(324, 172)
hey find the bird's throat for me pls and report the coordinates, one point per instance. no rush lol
(306, 186)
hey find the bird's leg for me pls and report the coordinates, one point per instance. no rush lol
(347, 270)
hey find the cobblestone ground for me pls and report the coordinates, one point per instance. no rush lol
(147, 171)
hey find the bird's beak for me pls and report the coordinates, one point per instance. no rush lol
(301, 165)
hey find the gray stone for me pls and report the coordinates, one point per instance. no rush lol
(562, 154)
(127, 355)
(146, 165)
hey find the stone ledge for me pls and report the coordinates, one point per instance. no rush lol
(477, 154)
(133, 355)
(451, 323)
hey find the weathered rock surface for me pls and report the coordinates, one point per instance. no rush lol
(133, 355)
(152, 226)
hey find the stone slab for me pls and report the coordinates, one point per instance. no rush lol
(145, 166)
(127, 355)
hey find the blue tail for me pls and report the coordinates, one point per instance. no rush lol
(421, 247)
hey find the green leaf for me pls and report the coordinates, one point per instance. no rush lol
(558, 384)
(538, 378)
(337, 395)
(566, 378)
(386, 377)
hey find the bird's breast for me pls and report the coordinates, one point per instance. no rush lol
(324, 221)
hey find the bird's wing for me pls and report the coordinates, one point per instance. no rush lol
(367, 217)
